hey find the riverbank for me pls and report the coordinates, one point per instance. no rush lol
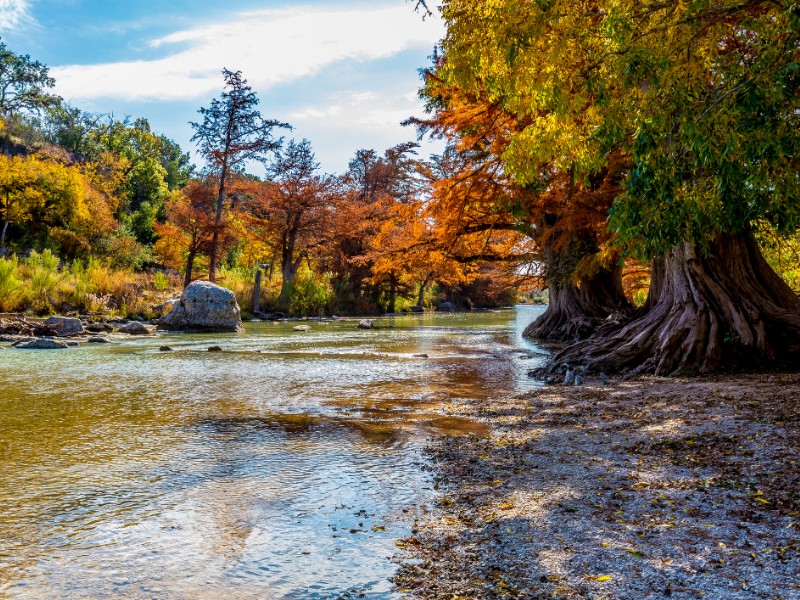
(648, 488)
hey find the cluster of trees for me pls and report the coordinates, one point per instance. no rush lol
(632, 132)
(78, 183)
(92, 186)
(371, 233)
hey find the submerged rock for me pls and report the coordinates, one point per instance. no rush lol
(165, 349)
(204, 307)
(215, 349)
(98, 340)
(43, 345)
(302, 328)
(366, 324)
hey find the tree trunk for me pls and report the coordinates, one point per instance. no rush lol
(189, 266)
(728, 310)
(576, 311)
(257, 292)
(213, 256)
(392, 293)
(422, 287)
(6, 210)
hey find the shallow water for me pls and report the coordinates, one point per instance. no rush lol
(284, 467)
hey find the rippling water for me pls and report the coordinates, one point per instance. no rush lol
(284, 467)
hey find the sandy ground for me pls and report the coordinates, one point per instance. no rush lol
(649, 488)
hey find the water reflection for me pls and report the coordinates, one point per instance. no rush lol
(285, 466)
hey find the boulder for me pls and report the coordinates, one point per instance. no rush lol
(417, 309)
(98, 340)
(99, 328)
(204, 307)
(136, 328)
(366, 324)
(64, 326)
(43, 344)
(446, 307)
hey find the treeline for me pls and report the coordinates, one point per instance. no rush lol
(97, 192)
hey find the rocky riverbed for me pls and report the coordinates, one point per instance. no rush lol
(651, 488)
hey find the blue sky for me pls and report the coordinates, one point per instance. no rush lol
(344, 73)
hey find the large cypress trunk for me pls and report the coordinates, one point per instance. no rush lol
(727, 310)
(575, 311)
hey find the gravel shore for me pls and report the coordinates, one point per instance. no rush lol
(647, 488)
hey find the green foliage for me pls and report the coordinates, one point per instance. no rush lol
(142, 223)
(161, 282)
(10, 283)
(311, 293)
(123, 251)
(23, 84)
(44, 278)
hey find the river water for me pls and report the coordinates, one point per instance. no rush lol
(284, 467)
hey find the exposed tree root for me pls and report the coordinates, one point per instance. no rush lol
(575, 312)
(729, 310)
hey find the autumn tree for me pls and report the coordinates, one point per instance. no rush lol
(701, 98)
(368, 213)
(190, 226)
(232, 133)
(482, 212)
(39, 195)
(293, 210)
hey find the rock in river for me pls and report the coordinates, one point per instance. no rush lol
(136, 328)
(43, 345)
(64, 326)
(204, 306)
(366, 324)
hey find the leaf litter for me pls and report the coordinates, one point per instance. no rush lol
(645, 488)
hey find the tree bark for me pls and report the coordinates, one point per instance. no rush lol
(257, 291)
(422, 287)
(392, 293)
(576, 311)
(6, 210)
(189, 266)
(727, 310)
(213, 256)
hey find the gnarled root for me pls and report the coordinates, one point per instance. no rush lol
(575, 312)
(727, 310)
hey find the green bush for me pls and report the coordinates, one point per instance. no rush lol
(311, 294)
(161, 282)
(10, 284)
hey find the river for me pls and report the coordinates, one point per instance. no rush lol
(285, 466)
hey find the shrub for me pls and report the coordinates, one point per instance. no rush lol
(311, 294)
(9, 283)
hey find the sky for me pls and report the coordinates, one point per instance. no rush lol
(343, 73)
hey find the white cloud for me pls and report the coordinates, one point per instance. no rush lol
(269, 46)
(13, 14)
(358, 120)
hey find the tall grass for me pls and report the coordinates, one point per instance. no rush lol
(41, 284)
